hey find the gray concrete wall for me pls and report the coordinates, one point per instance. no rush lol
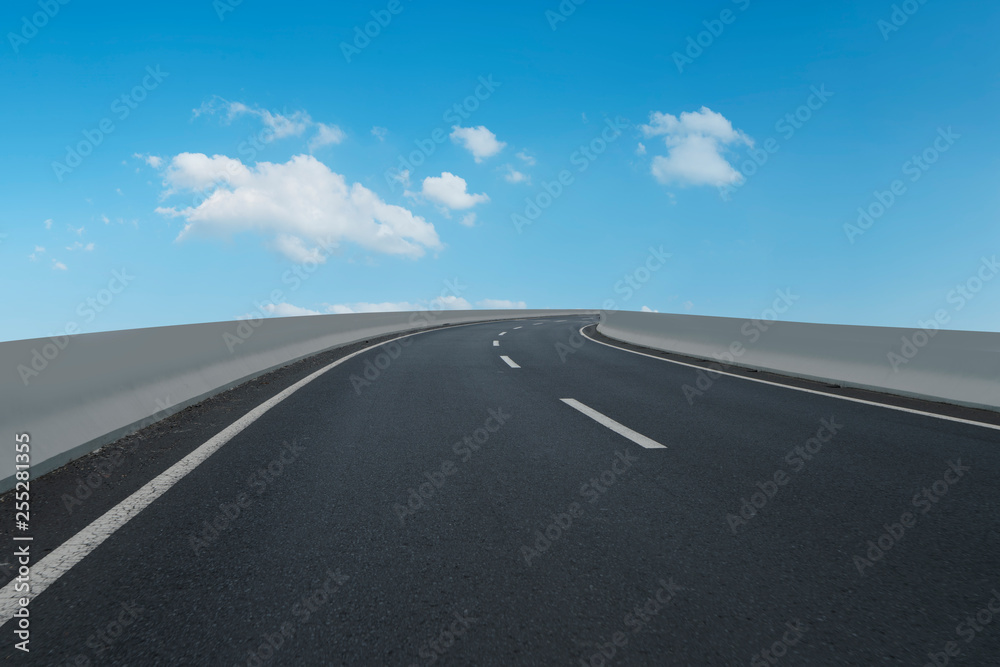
(959, 367)
(76, 393)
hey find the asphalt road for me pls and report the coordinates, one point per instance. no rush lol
(451, 508)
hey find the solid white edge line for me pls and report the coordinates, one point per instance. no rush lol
(620, 429)
(510, 362)
(47, 571)
(898, 408)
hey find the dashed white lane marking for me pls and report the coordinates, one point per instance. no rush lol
(502, 332)
(803, 389)
(620, 429)
(537, 323)
(510, 362)
(517, 327)
(496, 343)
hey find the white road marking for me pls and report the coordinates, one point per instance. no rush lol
(496, 343)
(517, 327)
(803, 389)
(620, 429)
(537, 323)
(502, 332)
(560, 321)
(47, 571)
(510, 362)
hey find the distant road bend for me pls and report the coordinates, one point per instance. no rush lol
(519, 493)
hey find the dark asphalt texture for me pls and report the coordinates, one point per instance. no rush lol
(322, 565)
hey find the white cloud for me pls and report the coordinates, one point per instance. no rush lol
(528, 159)
(477, 140)
(326, 135)
(640, 149)
(279, 310)
(647, 309)
(58, 266)
(469, 220)
(514, 176)
(154, 161)
(695, 144)
(402, 176)
(80, 246)
(48, 224)
(380, 132)
(301, 203)
(501, 304)
(279, 126)
(38, 251)
(79, 232)
(688, 305)
(440, 303)
(105, 219)
(451, 191)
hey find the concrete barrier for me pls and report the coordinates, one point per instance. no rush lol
(958, 367)
(73, 394)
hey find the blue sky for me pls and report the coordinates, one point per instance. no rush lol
(294, 143)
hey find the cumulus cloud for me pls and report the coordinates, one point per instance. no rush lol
(38, 251)
(696, 142)
(278, 126)
(326, 135)
(528, 159)
(451, 191)
(469, 220)
(380, 132)
(154, 161)
(647, 309)
(501, 304)
(80, 246)
(301, 204)
(58, 266)
(514, 176)
(48, 223)
(477, 140)
(640, 149)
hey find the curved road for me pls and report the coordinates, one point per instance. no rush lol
(512, 493)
